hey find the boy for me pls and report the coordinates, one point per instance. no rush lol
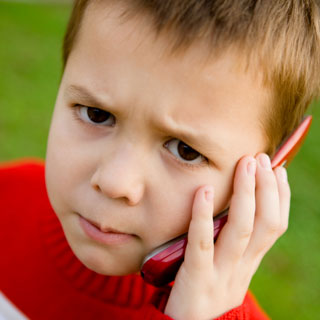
(166, 114)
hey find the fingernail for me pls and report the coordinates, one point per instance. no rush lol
(208, 194)
(283, 174)
(264, 161)
(251, 167)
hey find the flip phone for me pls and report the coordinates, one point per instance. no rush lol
(161, 265)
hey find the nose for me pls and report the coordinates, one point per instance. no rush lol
(120, 175)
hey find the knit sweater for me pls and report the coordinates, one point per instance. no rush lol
(42, 278)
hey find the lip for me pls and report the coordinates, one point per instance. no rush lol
(106, 236)
(104, 229)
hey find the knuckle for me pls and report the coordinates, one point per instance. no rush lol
(283, 228)
(269, 182)
(264, 245)
(205, 245)
(245, 233)
(236, 256)
(244, 186)
(243, 194)
(273, 226)
(247, 188)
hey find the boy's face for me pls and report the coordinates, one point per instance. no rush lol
(128, 167)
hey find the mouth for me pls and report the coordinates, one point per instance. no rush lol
(104, 235)
(104, 229)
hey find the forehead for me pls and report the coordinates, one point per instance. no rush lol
(123, 59)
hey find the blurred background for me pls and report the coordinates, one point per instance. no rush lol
(287, 284)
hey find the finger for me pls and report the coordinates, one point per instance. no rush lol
(284, 197)
(199, 250)
(267, 219)
(235, 235)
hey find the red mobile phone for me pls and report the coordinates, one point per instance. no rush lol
(161, 265)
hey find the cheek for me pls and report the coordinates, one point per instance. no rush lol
(66, 166)
(174, 201)
(223, 190)
(178, 208)
(168, 217)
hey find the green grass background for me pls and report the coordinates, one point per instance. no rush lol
(287, 284)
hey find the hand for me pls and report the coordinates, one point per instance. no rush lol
(214, 278)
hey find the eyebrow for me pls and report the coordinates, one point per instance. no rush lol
(81, 93)
(187, 134)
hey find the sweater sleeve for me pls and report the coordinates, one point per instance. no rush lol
(248, 310)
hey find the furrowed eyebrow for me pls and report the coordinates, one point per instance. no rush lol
(82, 93)
(198, 140)
(188, 135)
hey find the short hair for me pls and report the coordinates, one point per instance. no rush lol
(282, 36)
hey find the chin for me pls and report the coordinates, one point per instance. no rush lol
(107, 265)
(109, 269)
(104, 261)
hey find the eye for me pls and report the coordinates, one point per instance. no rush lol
(185, 153)
(95, 116)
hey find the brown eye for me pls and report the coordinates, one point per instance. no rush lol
(96, 116)
(184, 152)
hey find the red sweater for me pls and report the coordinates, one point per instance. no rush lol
(42, 277)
